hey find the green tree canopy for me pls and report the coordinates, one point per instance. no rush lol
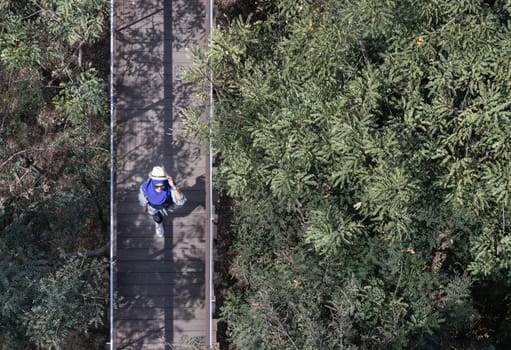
(367, 146)
(54, 161)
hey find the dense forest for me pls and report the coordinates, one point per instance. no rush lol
(363, 152)
(365, 149)
(54, 171)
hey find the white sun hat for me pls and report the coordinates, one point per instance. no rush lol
(158, 173)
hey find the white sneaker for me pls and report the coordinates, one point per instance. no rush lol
(160, 231)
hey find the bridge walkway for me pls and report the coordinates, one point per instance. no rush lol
(161, 284)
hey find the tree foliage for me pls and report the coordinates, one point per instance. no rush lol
(54, 161)
(367, 147)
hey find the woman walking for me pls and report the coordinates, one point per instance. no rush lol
(160, 196)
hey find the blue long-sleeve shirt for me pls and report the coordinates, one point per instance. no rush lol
(164, 200)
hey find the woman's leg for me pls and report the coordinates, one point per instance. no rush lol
(158, 218)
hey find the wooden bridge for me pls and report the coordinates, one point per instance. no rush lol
(161, 287)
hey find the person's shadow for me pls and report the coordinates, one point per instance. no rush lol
(196, 197)
(186, 244)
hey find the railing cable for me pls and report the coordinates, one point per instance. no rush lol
(112, 176)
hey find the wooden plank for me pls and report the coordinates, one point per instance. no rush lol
(130, 338)
(138, 73)
(189, 24)
(135, 74)
(129, 12)
(193, 254)
(175, 237)
(188, 345)
(159, 340)
(191, 208)
(153, 338)
(159, 313)
(187, 237)
(134, 52)
(147, 17)
(127, 201)
(160, 266)
(153, 326)
(142, 67)
(177, 219)
(128, 97)
(181, 58)
(140, 115)
(193, 234)
(182, 297)
(157, 301)
(154, 243)
(191, 295)
(151, 35)
(136, 146)
(128, 278)
(151, 242)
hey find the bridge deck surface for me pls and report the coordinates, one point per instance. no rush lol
(159, 282)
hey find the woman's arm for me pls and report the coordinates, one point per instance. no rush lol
(178, 194)
(142, 200)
